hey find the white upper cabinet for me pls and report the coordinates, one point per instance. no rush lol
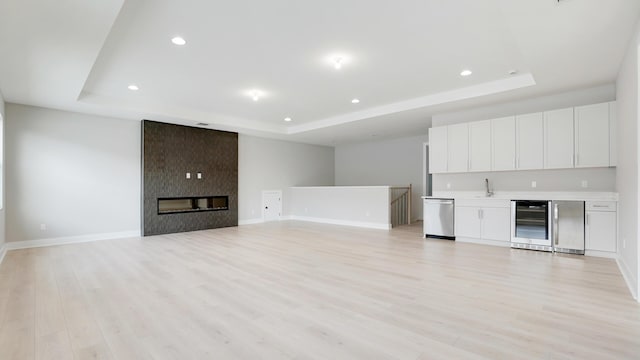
(592, 135)
(458, 147)
(529, 141)
(503, 139)
(480, 146)
(558, 139)
(438, 150)
(613, 133)
(584, 136)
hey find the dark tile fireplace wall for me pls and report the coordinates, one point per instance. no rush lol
(169, 152)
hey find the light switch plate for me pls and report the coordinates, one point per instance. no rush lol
(188, 175)
(534, 184)
(448, 185)
(199, 175)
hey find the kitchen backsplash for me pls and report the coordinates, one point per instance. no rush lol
(596, 179)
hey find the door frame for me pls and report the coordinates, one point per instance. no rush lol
(279, 192)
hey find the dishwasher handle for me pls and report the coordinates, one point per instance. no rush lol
(440, 202)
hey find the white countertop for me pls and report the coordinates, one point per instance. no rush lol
(527, 195)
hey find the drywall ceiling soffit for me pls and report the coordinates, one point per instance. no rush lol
(406, 57)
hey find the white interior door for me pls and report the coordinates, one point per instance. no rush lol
(271, 205)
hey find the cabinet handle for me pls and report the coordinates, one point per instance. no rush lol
(555, 224)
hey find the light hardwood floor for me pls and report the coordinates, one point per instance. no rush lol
(311, 291)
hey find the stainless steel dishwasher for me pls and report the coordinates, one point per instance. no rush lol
(438, 218)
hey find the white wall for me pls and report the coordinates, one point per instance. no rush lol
(265, 164)
(2, 175)
(364, 206)
(627, 178)
(387, 162)
(77, 174)
(80, 174)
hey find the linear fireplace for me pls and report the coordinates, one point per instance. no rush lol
(174, 201)
(175, 205)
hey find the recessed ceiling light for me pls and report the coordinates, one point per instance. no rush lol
(355, 101)
(255, 94)
(337, 63)
(466, 72)
(133, 87)
(287, 119)
(338, 60)
(178, 41)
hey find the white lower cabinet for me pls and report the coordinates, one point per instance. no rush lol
(496, 224)
(467, 222)
(488, 221)
(483, 220)
(601, 228)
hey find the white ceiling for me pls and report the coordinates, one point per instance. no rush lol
(404, 59)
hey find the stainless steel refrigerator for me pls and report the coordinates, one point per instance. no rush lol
(568, 226)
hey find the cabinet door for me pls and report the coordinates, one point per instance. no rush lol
(613, 133)
(592, 135)
(529, 141)
(600, 231)
(480, 146)
(558, 139)
(467, 222)
(496, 224)
(438, 150)
(458, 147)
(503, 139)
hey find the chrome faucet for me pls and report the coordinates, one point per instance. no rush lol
(486, 184)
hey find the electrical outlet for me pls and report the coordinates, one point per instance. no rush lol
(253, 211)
(368, 213)
(534, 184)
(199, 175)
(43, 227)
(188, 175)
(306, 210)
(448, 185)
(585, 184)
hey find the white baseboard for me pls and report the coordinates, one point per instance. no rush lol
(369, 225)
(483, 241)
(3, 252)
(70, 240)
(261, 220)
(603, 254)
(250, 221)
(629, 278)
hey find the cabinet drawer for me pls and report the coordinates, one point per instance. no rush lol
(600, 205)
